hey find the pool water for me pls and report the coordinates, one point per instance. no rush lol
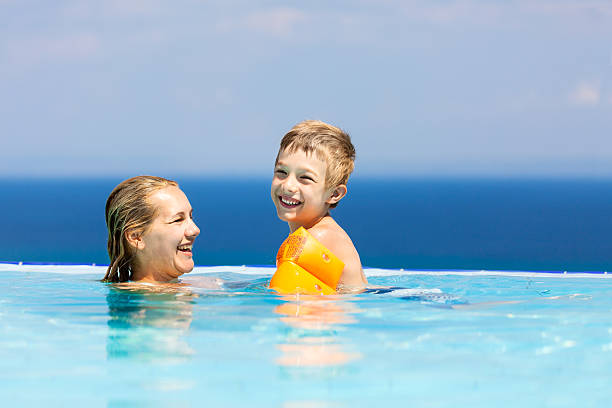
(446, 339)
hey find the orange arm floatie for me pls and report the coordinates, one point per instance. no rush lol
(304, 265)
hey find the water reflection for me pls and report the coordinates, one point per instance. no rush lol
(149, 322)
(313, 340)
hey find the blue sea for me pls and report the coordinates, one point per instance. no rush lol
(432, 339)
(491, 224)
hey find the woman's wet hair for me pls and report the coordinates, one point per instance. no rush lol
(128, 209)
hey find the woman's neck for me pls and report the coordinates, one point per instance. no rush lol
(149, 275)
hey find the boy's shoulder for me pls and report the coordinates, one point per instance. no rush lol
(328, 230)
(334, 238)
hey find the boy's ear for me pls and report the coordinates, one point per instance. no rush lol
(134, 239)
(337, 194)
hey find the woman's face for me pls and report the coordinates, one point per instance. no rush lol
(165, 249)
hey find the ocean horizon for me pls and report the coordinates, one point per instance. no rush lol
(421, 223)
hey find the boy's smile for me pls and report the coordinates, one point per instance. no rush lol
(288, 202)
(298, 189)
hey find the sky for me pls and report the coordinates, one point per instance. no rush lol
(95, 88)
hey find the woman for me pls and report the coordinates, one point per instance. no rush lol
(150, 231)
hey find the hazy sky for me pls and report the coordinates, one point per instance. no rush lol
(171, 88)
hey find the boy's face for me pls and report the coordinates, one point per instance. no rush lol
(298, 188)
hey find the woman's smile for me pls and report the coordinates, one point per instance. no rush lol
(186, 249)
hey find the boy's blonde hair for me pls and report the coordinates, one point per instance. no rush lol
(128, 207)
(329, 143)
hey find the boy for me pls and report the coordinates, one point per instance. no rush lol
(312, 168)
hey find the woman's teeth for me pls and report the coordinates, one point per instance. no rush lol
(185, 247)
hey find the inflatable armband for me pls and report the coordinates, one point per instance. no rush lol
(304, 265)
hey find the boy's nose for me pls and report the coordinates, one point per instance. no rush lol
(290, 185)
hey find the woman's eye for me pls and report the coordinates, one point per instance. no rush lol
(177, 220)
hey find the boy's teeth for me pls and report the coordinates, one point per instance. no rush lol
(289, 202)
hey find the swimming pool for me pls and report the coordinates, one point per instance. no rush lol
(452, 338)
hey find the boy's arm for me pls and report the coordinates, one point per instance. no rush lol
(341, 245)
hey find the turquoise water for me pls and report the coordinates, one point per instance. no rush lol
(472, 339)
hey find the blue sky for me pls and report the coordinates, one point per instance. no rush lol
(118, 88)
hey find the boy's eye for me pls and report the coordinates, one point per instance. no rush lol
(307, 178)
(280, 172)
